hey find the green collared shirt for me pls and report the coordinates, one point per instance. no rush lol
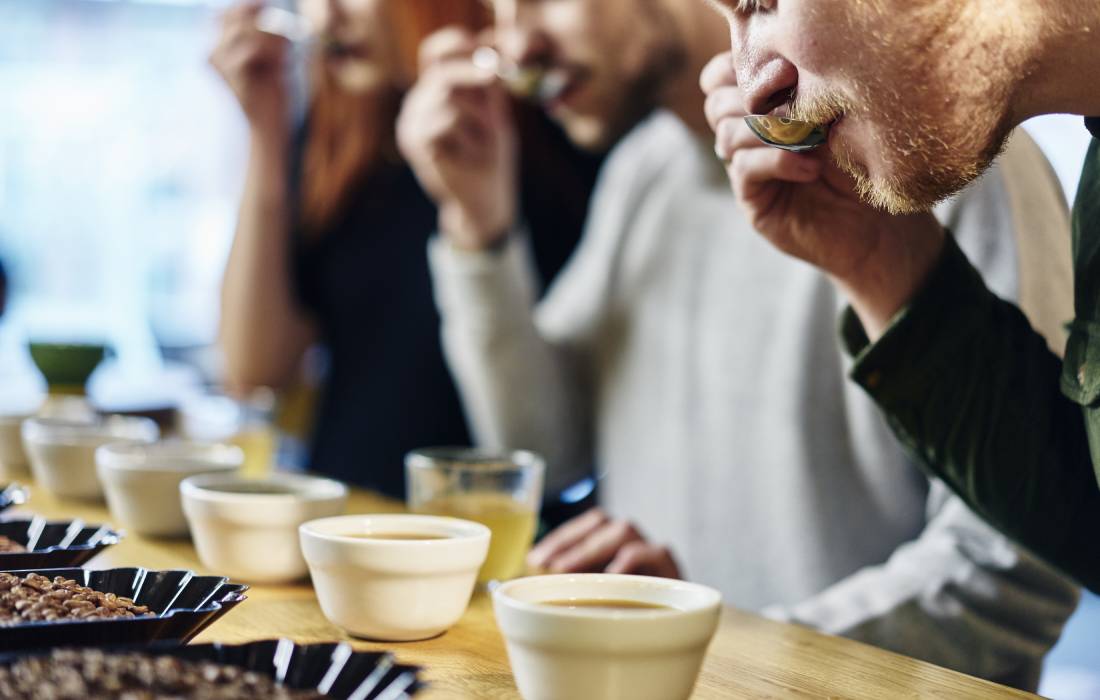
(977, 397)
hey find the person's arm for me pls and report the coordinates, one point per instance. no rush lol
(974, 393)
(263, 330)
(960, 596)
(521, 386)
(518, 383)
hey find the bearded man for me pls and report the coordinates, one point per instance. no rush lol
(920, 99)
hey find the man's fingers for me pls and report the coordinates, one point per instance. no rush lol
(447, 44)
(724, 103)
(732, 135)
(565, 536)
(455, 77)
(752, 167)
(597, 550)
(718, 73)
(454, 133)
(644, 559)
(445, 88)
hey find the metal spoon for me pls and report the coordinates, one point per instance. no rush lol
(296, 29)
(289, 25)
(788, 134)
(526, 82)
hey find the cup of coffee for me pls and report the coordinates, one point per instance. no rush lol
(248, 528)
(605, 636)
(394, 577)
(502, 491)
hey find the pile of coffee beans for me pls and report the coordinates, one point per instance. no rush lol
(10, 546)
(90, 673)
(37, 598)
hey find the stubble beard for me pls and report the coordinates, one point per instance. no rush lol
(637, 95)
(935, 122)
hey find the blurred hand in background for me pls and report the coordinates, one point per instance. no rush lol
(456, 130)
(253, 65)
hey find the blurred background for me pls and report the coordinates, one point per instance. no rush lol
(121, 159)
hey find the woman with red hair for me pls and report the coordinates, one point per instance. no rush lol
(333, 228)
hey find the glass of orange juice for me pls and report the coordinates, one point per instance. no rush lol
(501, 490)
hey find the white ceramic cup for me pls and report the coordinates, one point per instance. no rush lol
(142, 482)
(248, 528)
(561, 653)
(62, 452)
(394, 589)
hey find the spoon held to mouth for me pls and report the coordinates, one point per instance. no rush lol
(788, 134)
(525, 82)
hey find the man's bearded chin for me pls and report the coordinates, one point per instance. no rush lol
(919, 168)
(917, 179)
(916, 185)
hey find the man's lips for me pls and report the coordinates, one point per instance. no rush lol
(573, 82)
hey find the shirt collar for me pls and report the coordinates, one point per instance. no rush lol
(1093, 125)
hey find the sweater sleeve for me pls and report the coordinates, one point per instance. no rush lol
(960, 596)
(521, 388)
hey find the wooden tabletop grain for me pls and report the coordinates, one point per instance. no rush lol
(750, 657)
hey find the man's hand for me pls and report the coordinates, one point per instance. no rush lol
(457, 133)
(808, 208)
(592, 542)
(253, 65)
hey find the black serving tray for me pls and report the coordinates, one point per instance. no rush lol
(334, 669)
(13, 495)
(54, 544)
(184, 604)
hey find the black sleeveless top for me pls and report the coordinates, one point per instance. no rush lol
(366, 282)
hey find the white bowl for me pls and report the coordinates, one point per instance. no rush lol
(142, 482)
(13, 458)
(560, 653)
(392, 589)
(248, 528)
(62, 452)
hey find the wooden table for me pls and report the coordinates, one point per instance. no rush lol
(750, 657)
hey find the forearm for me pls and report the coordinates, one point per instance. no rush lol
(973, 392)
(893, 271)
(263, 330)
(520, 389)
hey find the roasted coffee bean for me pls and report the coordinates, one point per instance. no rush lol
(37, 598)
(91, 673)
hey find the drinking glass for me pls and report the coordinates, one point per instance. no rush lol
(501, 490)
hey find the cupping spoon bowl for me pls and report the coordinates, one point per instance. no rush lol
(789, 134)
(525, 82)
